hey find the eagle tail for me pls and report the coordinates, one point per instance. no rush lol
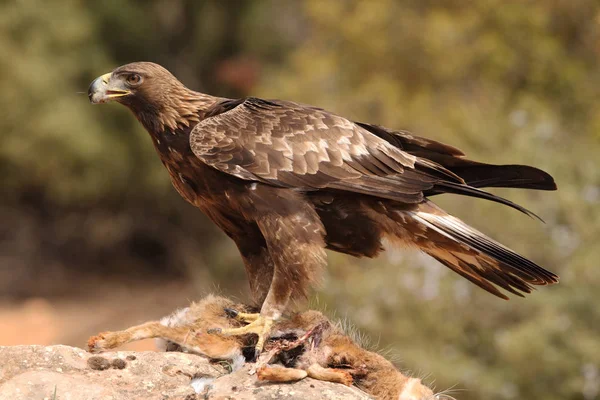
(475, 256)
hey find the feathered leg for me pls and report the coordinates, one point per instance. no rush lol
(294, 239)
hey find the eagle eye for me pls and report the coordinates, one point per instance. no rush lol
(133, 79)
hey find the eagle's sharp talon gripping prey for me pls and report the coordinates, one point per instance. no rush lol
(230, 312)
(286, 180)
(240, 316)
(256, 324)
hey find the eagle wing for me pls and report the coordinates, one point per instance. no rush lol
(286, 144)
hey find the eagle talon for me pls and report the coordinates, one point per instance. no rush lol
(214, 331)
(247, 318)
(230, 312)
(259, 325)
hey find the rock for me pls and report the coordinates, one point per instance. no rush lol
(38, 372)
(240, 385)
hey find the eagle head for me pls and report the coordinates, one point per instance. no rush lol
(154, 95)
(135, 83)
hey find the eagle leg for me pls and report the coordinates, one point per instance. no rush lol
(292, 256)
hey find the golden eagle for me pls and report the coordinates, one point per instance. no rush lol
(285, 181)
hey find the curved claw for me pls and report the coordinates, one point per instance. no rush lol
(247, 318)
(231, 313)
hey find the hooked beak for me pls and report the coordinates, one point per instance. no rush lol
(103, 89)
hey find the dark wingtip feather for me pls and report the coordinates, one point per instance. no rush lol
(509, 176)
(547, 183)
(532, 178)
(526, 177)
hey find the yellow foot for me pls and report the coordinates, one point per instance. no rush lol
(240, 316)
(259, 325)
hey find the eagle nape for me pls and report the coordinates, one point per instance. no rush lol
(285, 181)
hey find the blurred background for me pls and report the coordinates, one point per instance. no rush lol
(93, 237)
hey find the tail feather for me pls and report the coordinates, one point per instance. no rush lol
(476, 257)
(465, 270)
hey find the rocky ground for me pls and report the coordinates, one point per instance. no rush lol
(70, 373)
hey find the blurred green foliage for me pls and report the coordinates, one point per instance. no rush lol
(506, 81)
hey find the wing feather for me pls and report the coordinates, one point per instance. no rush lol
(474, 173)
(286, 144)
(289, 145)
